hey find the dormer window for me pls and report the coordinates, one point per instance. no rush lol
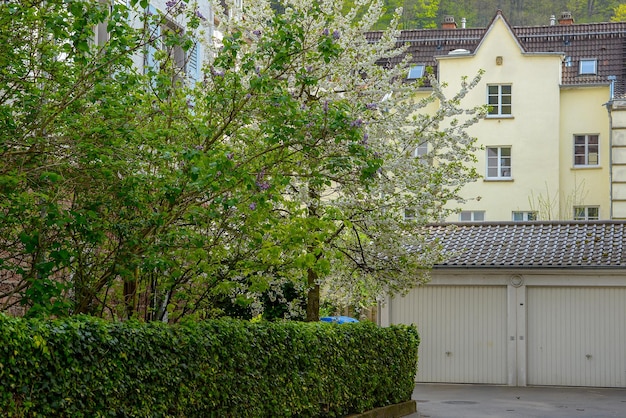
(588, 66)
(417, 71)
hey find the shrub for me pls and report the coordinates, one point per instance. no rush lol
(86, 367)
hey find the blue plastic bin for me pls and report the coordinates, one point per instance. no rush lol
(338, 319)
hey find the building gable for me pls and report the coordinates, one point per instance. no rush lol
(605, 42)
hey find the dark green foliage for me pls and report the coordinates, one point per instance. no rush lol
(424, 14)
(86, 367)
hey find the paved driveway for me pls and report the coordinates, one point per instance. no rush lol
(479, 401)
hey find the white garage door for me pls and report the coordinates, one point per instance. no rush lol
(576, 336)
(462, 331)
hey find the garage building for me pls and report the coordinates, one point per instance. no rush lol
(522, 303)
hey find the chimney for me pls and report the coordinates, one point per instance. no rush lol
(552, 20)
(463, 22)
(566, 19)
(448, 22)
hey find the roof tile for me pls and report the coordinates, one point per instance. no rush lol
(605, 42)
(600, 244)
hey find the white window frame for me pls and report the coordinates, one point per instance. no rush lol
(523, 215)
(498, 163)
(416, 72)
(500, 100)
(586, 213)
(588, 66)
(584, 155)
(472, 216)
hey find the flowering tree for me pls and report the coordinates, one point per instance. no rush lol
(129, 192)
(352, 131)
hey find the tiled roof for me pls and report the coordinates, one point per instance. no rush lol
(604, 41)
(593, 244)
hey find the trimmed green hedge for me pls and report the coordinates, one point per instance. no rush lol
(86, 367)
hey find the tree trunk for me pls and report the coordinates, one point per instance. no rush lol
(590, 8)
(313, 297)
(130, 294)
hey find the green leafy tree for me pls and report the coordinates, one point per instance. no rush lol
(619, 13)
(419, 14)
(592, 10)
(289, 166)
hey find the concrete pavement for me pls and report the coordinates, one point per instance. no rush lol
(479, 401)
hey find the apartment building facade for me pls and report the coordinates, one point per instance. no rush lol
(553, 142)
(172, 16)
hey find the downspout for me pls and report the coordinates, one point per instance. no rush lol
(609, 108)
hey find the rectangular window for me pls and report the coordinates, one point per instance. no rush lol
(420, 153)
(472, 216)
(521, 216)
(586, 150)
(421, 150)
(499, 99)
(101, 30)
(498, 162)
(172, 38)
(417, 71)
(588, 66)
(586, 213)
(169, 50)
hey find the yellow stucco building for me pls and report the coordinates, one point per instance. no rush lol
(554, 138)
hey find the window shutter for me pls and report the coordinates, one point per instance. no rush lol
(154, 31)
(194, 63)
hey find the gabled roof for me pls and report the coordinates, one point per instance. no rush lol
(605, 42)
(592, 244)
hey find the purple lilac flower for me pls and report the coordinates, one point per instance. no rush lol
(371, 106)
(200, 15)
(357, 123)
(252, 206)
(262, 185)
(309, 68)
(325, 32)
(326, 106)
(336, 34)
(230, 155)
(171, 3)
(365, 138)
(256, 32)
